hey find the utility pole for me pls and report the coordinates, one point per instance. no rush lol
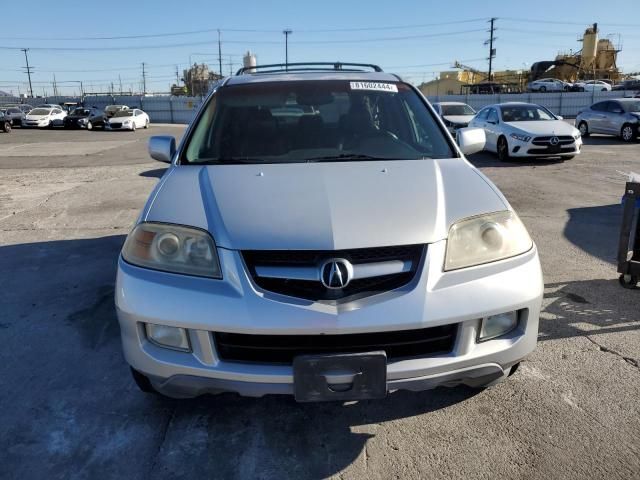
(120, 81)
(287, 32)
(144, 80)
(25, 50)
(219, 53)
(230, 66)
(55, 87)
(492, 51)
(177, 77)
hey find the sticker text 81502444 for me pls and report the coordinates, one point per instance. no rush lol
(377, 86)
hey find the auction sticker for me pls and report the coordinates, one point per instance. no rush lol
(377, 86)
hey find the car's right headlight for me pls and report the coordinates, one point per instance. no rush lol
(484, 239)
(172, 248)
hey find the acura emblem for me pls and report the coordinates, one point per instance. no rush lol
(554, 140)
(336, 273)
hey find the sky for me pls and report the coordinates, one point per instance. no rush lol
(74, 40)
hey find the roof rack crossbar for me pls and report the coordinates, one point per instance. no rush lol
(309, 66)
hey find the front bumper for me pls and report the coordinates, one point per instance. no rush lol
(518, 148)
(235, 304)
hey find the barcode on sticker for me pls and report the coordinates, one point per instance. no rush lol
(377, 86)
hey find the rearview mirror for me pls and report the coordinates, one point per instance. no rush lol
(162, 148)
(471, 140)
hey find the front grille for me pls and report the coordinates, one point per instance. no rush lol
(551, 150)
(116, 125)
(562, 140)
(314, 290)
(240, 347)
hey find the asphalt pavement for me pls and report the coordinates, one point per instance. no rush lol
(69, 409)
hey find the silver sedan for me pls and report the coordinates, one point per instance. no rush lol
(620, 117)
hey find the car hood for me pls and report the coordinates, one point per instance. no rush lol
(548, 127)
(37, 117)
(323, 206)
(76, 117)
(465, 119)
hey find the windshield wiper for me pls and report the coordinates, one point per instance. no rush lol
(346, 156)
(225, 161)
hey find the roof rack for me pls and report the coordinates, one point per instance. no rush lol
(308, 66)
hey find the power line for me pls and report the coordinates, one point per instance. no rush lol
(261, 42)
(244, 30)
(556, 22)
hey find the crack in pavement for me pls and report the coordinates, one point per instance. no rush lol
(163, 437)
(631, 361)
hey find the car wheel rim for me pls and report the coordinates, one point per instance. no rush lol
(626, 133)
(583, 128)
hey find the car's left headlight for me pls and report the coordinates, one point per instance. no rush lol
(172, 248)
(522, 138)
(484, 239)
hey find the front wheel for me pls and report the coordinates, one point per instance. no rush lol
(584, 129)
(628, 281)
(627, 133)
(146, 124)
(89, 126)
(6, 127)
(142, 381)
(503, 150)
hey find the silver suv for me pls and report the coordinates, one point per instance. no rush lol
(318, 233)
(620, 117)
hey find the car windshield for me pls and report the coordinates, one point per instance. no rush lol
(123, 113)
(457, 110)
(113, 108)
(632, 106)
(80, 111)
(40, 111)
(525, 113)
(13, 110)
(315, 121)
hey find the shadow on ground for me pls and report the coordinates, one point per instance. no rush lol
(486, 159)
(588, 308)
(596, 230)
(154, 173)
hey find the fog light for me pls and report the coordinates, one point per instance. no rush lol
(497, 325)
(168, 337)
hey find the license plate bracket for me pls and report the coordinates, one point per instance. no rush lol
(340, 377)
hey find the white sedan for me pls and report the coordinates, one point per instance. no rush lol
(526, 130)
(45, 117)
(548, 85)
(128, 120)
(593, 86)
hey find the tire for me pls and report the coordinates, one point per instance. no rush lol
(628, 133)
(542, 89)
(583, 126)
(50, 124)
(603, 89)
(89, 126)
(142, 381)
(628, 281)
(6, 127)
(503, 150)
(146, 124)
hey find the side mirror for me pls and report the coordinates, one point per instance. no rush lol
(162, 148)
(559, 117)
(471, 140)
